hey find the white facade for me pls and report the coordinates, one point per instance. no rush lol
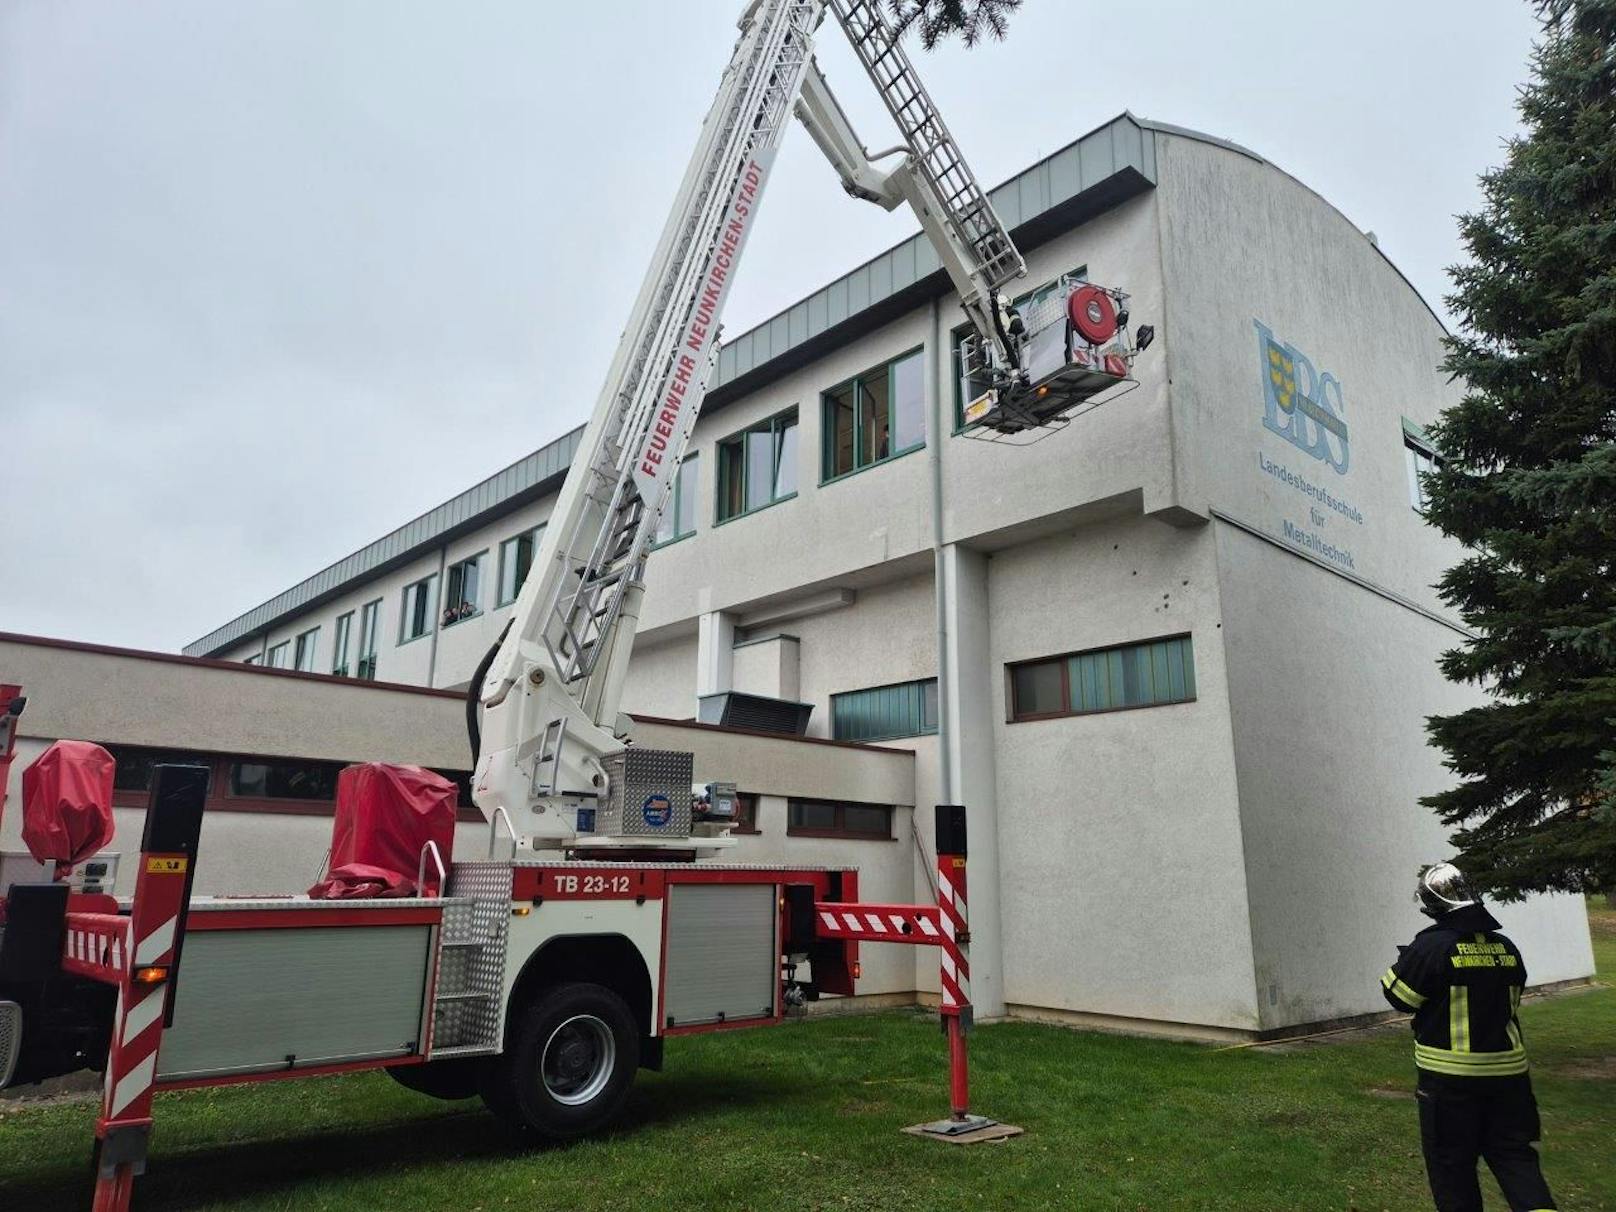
(1237, 862)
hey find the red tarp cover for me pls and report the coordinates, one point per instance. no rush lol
(67, 803)
(385, 817)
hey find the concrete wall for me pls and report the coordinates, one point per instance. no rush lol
(1330, 686)
(1328, 295)
(1119, 833)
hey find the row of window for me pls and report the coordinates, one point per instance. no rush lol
(464, 589)
(294, 784)
(419, 609)
(300, 652)
(239, 781)
(871, 418)
(1147, 674)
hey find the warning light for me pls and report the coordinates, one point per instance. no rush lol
(1044, 390)
(858, 969)
(150, 976)
(521, 910)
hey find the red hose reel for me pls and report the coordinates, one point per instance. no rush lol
(1093, 314)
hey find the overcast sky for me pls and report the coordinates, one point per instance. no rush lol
(276, 277)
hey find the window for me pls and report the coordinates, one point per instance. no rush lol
(515, 558)
(822, 818)
(460, 600)
(746, 813)
(277, 658)
(1421, 459)
(884, 712)
(1106, 679)
(875, 417)
(369, 615)
(132, 769)
(678, 520)
(284, 780)
(339, 645)
(303, 653)
(1026, 304)
(758, 466)
(415, 620)
(252, 660)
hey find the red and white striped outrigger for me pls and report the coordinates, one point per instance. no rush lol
(945, 926)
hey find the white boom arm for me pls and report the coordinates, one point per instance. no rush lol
(549, 691)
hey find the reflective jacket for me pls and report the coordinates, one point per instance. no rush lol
(1462, 980)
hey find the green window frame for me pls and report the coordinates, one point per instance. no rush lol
(757, 467)
(1421, 459)
(415, 615)
(462, 596)
(678, 520)
(1151, 673)
(370, 615)
(956, 339)
(874, 417)
(884, 713)
(304, 648)
(340, 639)
(515, 561)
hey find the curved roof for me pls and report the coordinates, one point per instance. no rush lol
(1093, 173)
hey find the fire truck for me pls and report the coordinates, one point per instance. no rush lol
(543, 974)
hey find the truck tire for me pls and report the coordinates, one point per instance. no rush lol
(445, 1079)
(571, 1055)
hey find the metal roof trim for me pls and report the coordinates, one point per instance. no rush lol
(530, 476)
(1115, 160)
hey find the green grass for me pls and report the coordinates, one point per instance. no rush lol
(807, 1117)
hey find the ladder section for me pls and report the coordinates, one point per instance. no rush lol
(606, 556)
(937, 158)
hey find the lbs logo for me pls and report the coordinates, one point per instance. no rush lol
(1300, 404)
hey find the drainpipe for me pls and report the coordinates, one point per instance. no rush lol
(437, 621)
(934, 458)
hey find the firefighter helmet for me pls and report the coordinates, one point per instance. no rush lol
(1444, 888)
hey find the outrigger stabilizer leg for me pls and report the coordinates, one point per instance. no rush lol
(945, 926)
(146, 953)
(954, 950)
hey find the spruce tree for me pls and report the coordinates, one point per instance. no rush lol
(1527, 481)
(970, 19)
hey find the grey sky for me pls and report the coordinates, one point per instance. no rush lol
(277, 276)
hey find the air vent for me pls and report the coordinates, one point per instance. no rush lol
(755, 711)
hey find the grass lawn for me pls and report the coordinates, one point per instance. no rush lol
(807, 1117)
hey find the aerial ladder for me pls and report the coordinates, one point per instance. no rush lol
(545, 975)
(550, 744)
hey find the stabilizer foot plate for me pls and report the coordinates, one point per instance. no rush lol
(972, 1130)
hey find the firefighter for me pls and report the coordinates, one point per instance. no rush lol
(1462, 981)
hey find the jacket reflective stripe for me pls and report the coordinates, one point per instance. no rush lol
(1401, 990)
(1470, 1064)
(1458, 1018)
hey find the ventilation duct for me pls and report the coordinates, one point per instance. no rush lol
(758, 712)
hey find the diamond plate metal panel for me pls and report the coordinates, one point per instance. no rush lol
(649, 794)
(467, 1011)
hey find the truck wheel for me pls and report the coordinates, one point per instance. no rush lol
(571, 1055)
(445, 1079)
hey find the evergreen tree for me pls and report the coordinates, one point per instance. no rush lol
(937, 19)
(1527, 482)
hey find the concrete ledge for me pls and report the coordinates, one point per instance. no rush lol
(1116, 1024)
(862, 1003)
